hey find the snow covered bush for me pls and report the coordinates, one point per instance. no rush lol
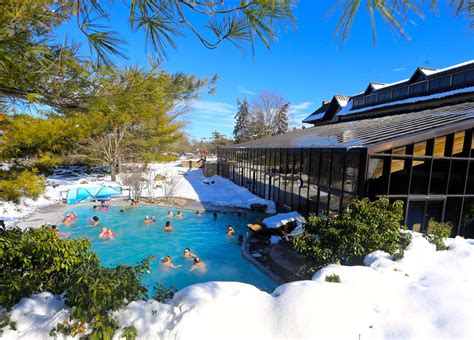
(365, 227)
(437, 233)
(332, 278)
(37, 260)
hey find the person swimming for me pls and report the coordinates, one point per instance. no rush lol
(166, 263)
(122, 209)
(170, 213)
(68, 220)
(198, 265)
(104, 233)
(110, 233)
(54, 227)
(94, 220)
(96, 208)
(179, 214)
(230, 231)
(214, 215)
(149, 220)
(188, 254)
(168, 226)
(198, 213)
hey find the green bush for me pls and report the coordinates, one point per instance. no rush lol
(437, 233)
(15, 184)
(332, 278)
(37, 260)
(365, 227)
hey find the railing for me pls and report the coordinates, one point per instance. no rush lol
(435, 85)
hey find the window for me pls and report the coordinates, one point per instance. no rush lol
(469, 76)
(370, 99)
(453, 212)
(439, 177)
(420, 176)
(416, 214)
(458, 78)
(457, 177)
(458, 143)
(314, 177)
(439, 83)
(417, 88)
(384, 96)
(439, 147)
(358, 101)
(400, 92)
(470, 179)
(351, 172)
(337, 170)
(467, 221)
(378, 173)
(325, 169)
(399, 176)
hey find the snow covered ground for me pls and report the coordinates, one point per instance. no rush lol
(427, 294)
(190, 183)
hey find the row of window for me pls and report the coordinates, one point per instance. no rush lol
(428, 86)
(308, 180)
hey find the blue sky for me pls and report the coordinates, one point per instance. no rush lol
(305, 65)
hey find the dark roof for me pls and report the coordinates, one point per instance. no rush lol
(374, 132)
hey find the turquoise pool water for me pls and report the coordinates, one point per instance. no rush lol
(204, 235)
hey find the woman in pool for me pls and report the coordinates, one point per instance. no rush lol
(69, 219)
(188, 254)
(230, 231)
(170, 213)
(198, 265)
(104, 233)
(198, 213)
(166, 263)
(179, 214)
(168, 226)
(96, 208)
(149, 220)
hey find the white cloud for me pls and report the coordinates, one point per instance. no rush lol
(297, 108)
(245, 91)
(212, 108)
(298, 112)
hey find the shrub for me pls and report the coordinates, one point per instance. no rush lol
(37, 260)
(163, 294)
(332, 278)
(15, 184)
(437, 233)
(365, 227)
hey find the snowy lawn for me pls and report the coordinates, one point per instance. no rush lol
(427, 294)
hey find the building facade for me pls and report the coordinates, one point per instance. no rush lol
(418, 149)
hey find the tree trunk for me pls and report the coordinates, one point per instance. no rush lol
(113, 175)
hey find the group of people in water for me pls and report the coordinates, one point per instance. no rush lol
(198, 265)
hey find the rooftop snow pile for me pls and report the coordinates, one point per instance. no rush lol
(427, 294)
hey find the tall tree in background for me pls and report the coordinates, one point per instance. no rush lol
(243, 122)
(134, 117)
(270, 114)
(218, 140)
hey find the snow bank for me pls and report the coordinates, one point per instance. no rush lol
(278, 220)
(427, 294)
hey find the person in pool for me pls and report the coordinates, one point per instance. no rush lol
(214, 215)
(110, 233)
(54, 227)
(170, 213)
(166, 263)
(188, 254)
(122, 209)
(198, 213)
(198, 265)
(104, 233)
(168, 226)
(149, 220)
(179, 214)
(68, 220)
(230, 231)
(95, 221)
(96, 208)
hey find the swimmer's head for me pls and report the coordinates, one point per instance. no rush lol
(197, 260)
(168, 223)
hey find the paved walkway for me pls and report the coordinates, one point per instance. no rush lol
(51, 214)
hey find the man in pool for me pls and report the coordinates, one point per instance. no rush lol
(230, 231)
(168, 226)
(179, 214)
(166, 263)
(96, 208)
(214, 215)
(122, 209)
(95, 221)
(188, 254)
(198, 265)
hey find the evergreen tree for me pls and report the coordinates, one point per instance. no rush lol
(280, 123)
(243, 122)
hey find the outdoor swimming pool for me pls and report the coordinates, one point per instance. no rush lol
(204, 235)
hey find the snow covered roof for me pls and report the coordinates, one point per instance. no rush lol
(347, 110)
(372, 131)
(320, 113)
